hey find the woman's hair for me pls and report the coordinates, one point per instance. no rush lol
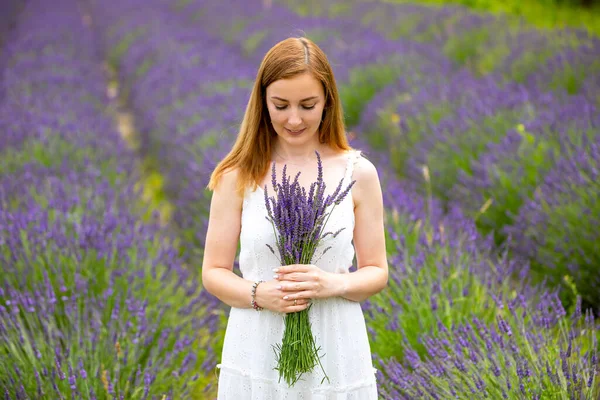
(251, 152)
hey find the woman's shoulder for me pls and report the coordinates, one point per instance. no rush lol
(364, 172)
(361, 163)
(365, 168)
(230, 177)
(229, 184)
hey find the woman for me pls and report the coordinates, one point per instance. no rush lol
(293, 111)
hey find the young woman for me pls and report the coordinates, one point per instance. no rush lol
(293, 111)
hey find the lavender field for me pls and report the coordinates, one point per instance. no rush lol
(485, 132)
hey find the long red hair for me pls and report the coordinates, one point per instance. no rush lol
(251, 152)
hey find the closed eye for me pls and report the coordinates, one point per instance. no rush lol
(305, 107)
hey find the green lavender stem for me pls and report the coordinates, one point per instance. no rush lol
(298, 352)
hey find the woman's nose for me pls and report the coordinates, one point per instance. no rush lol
(294, 119)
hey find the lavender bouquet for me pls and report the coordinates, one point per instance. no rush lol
(299, 220)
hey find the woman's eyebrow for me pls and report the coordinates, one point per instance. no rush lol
(308, 98)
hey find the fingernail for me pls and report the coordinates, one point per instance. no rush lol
(276, 276)
(275, 269)
(278, 287)
(286, 297)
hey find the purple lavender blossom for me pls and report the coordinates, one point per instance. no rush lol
(300, 220)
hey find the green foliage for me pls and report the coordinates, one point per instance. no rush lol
(570, 78)
(319, 8)
(253, 41)
(363, 84)
(473, 50)
(124, 44)
(431, 282)
(403, 27)
(53, 151)
(446, 158)
(567, 241)
(512, 359)
(515, 180)
(103, 311)
(542, 14)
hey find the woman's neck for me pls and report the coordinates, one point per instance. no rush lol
(298, 155)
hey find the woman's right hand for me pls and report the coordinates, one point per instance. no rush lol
(268, 296)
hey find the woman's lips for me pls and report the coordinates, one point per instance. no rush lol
(294, 133)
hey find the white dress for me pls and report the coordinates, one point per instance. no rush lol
(248, 360)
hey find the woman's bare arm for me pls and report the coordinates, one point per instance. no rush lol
(221, 244)
(369, 236)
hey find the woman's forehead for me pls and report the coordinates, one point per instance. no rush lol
(297, 88)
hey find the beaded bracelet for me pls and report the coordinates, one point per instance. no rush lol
(253, 301)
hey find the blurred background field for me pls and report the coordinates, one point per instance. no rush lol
(482, 118)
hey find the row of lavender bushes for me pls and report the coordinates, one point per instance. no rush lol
(95, 301)
(184, 122)
(460, 320)
(8, 17)
(513, 168)
(463, 320)
(491, 133)
(522, 161)
(496, 148)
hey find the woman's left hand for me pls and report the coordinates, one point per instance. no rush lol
(307, 281)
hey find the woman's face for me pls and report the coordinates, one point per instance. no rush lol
(296, 106)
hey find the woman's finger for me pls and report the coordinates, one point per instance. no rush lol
(295, 286)
(307, 294)
(285, 269)
(296, 277)
(299, 305)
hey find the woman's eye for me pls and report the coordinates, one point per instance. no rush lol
(305, 107)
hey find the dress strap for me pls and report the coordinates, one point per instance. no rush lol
(352, 159)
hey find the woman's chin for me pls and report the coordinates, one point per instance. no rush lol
(301, 137)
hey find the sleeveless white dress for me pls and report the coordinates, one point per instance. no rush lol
(248, 360)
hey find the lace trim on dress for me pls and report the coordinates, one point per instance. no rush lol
(352, 159)
(322, 388)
